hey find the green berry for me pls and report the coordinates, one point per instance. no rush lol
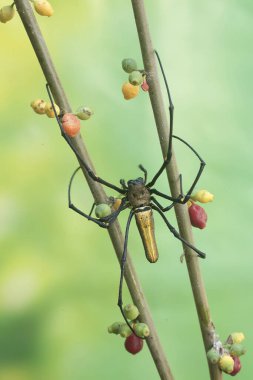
(102, 210)
(142, 330)
(115, 327)
(237, 349)
(125, 330)
(213, 356)
(135, 78)
(131, 311)
(129, 65)
(84, 113)
(6, 13)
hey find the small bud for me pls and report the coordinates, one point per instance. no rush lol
(197, 215)
(50, 111)
(202, 196)
(135, 78)
(213, 356)
(236, 337)
(133, 344)
(129, 91)
(6, 13)
(129, 65)
(237, 366)
(226, 363)
(43, 7)
(131, 311)
(237, 349)
(70, 124)
(142, 330)
(115, 327)
(84, 113)
(116, 204)
(39, 106)
(102, 210)
(145, 86)
(125, 330)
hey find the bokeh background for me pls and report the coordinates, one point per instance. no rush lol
(59, 274)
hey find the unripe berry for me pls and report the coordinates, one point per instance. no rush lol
(125, 330)
(142, 330)
(129, 91)
(129, 65)
(102, 210)
(115, 327)
(70, 124)
(43, 7)
(226, 363)
(236, 337)
(131, 311)
(135, 78)
(133, 344)
(237, 366)
(202, 196)
(237, 349)
(6, 13)
(50, 111)
(39, 106)
(84, 113)
(197, 215)
(213, 356)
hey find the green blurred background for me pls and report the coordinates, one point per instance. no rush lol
(58, 273)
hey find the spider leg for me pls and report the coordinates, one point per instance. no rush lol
(145, 172)
(171, 112)
(69, 142)
(102, 222)
(163, 209)
(122, 269)
(176, 234)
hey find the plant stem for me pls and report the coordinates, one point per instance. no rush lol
(197, 284)
(41, 51)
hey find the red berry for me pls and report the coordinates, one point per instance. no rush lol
(198, 216)
(237, 366)
(133, 344)
(70, 124)
(145, 86)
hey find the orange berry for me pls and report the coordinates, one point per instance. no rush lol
(71, 124)
(129, 91)
(43, 7)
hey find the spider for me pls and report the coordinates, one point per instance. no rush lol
(139, 195)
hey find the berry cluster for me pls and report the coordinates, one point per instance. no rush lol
(136, 79)
(42, 7)
(70, 122)
(227, 355)
(133, 341)
(198, 216)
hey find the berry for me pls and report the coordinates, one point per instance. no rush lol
(43, 7)
(135, 78)
(142, 330)
(125, 330)
(237, 349)
(133, 344)
(115, 327)
(197, 215)
(70, 124)
(102, 210)
(226, 363)
(129, 65)
(236, 337)
(116, 203)
(129, 91)
(50, 111)
(84, 113)
(213, 356)
(145, 86)
(202, 196)
(6, 13)
(39, 106)
(131, 311)
(237, 367)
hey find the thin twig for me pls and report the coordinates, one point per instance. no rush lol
(40, 48)
(197, 284)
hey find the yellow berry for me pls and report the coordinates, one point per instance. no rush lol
(202, 196)
(43, 7)
(39, 106)
(226, 363)
(129, 91)
(237, 337)
(50, 111)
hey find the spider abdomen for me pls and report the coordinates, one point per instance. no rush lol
(145, 223)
